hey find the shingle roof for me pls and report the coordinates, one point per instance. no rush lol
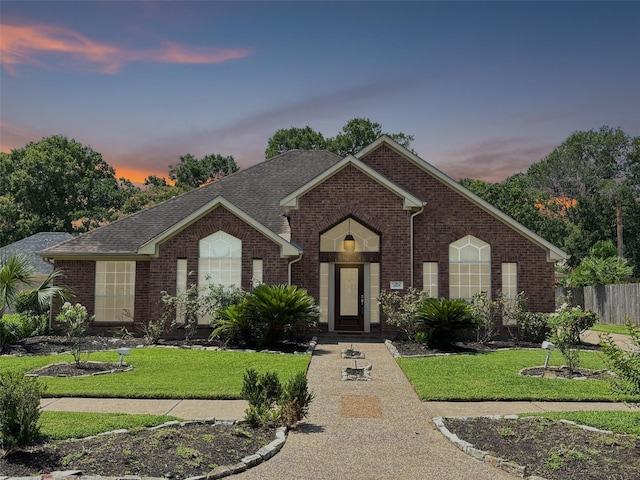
(256, 190)
(35, 243)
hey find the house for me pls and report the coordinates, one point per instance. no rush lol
(29, 247)
(285, 220)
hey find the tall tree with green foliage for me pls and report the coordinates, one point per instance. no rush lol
(599, 169)
(295, 138)
(56, 185)
(193, 172)
(533, 207)
(356, 134)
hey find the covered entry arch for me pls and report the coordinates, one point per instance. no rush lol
(349, 279)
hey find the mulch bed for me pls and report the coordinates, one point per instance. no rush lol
(553, 450)
(175, 452)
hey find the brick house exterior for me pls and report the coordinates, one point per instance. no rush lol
(284, 221)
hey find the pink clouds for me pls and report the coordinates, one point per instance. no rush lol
(52, 47)
(494, 160)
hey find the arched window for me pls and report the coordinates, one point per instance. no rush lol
(469, 267)
(220, 260)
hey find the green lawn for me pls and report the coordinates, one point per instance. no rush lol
(164, 373)
(64, 425)
(619, 422)
(494, 376)
(601, 327)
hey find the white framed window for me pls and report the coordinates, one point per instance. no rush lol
(257, 272)
(374, 293)
(430, 278)
(510, 281)
(115, 288)
(181, 285)
(469, 267)
(220, 260)
(324, 293)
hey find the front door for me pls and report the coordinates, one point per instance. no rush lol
(349, 295)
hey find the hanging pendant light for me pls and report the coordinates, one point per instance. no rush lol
(349, 241)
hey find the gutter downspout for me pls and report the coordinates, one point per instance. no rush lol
(413, 215)
(289, 267)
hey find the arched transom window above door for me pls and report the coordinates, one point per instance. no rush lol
(333, 240)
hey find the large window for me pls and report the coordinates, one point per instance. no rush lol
(469, 267)
(220, 261)
(115, 291)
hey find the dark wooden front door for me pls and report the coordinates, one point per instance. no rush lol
(349, 295)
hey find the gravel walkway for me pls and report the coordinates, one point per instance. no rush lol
(374, 429)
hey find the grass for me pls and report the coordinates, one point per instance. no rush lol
(601, 327)
(494, 376)
(164, 373)
(65, 425)
(617, 421)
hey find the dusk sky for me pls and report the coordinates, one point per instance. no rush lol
(486, 88)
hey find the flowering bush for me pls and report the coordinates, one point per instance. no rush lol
(76, 318)
(566, 325)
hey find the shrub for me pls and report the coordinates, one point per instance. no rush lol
(486, 312)
(234, 326)
(77, 320)
(19, 410)
(522, 324)
(566, 324)
(9, 330)
(296, 399)
(441, 318)
(187, 308)
(400, 309)
(625, 363)
(271, 405)
(276, 308)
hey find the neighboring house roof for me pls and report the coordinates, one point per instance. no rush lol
(31, 245)
(256, 191)
(258, 195)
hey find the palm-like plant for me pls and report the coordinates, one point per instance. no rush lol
(278, 307)
(440, 318)
(16, 272)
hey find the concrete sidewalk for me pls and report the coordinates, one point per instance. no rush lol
(184, 409)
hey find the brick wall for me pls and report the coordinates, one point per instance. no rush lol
(159, 274)
(448, 216)
(351, 193)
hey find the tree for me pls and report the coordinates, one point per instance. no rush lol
(602, 266)
(599, 169)
(193, 172)
(533, 207)
(155, 182)
(356, 134)
(294, 139)
(57, 185)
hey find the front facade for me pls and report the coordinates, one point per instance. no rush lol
(285, 220)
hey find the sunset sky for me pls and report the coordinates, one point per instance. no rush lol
(486, 88)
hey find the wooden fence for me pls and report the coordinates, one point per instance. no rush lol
(613, 303)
